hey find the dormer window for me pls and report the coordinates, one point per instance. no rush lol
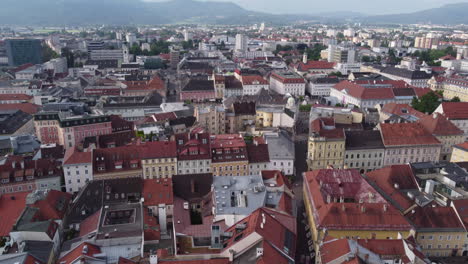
(101, 168)
(18, 179)
(5, 180)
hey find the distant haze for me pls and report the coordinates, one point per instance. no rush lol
(370, 7)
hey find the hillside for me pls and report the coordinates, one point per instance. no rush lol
(447, 14)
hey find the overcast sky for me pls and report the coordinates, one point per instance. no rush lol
(318, 6)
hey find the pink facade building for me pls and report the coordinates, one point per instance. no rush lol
(69, 131)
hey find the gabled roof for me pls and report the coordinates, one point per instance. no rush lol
(11, 207)
(315, 65)
(325, 127)
(436, 218)
(439, 125)
(461, 208)
(389, 181)
(363, 208)
(277, 229)
(401, 110)
(378, 89)
(54, 206)
(404, 134)
(28, 108)
(90, 224)
(463, 146)
(258, 153)
(77, 253)
(455, 110)
(253, 80)
(73, 156)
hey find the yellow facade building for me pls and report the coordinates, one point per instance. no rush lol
(326, 145)
(159, 160)
(337, 210)
(460, 152)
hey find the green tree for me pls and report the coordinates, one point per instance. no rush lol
(48, 53)
(427, 103)
(455, 99)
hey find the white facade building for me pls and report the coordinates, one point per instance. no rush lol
(77, 169)
(241, 42)
(287, 83)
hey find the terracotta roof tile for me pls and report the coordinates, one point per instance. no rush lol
(157, 192)
(455, 110)
(73, 156)
(11, 207)
(404, 134)
(90, 224)
(77, 253)
(439, 125)
(25, 107)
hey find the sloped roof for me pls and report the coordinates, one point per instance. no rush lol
(373, 213)
(455, 110)
(25, 107)
(11, 207)
(157, 191)
(387, 178)
(439, 125)
(404, 134)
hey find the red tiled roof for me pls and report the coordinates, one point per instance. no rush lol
(435, 218)
(404, 134)
(77, 253)
(73, 156)
(90, 224)
(278, 176)
(401, 110)
(258, 153)
(123, 260)
(10, 97)
(439, 125)
(54, 205)
(384, 89)
(151, 230)
(273, 232)
(253, 79)
(154, 84)
(332, 249)
(455, 110)
(25, 107)
(400, 175)
(461, 208)
(368, 215)
(462, 146)
(164, 116)
(11, 207)
(159, 149)
(204, 261)
(315, 65)
(157, 192)
(195, 146)
(325, 127)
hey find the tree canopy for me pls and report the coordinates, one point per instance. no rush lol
(427, 103)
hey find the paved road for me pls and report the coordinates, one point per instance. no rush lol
(301, 166)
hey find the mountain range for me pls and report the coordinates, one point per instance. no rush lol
(127, 12)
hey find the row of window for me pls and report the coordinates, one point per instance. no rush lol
(358, 156)
(159, 160)
(448, 238)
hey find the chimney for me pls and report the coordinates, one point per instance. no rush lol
(259, 252)
(385, 207)
(328, 198)
(192, 186)
(363, 209)
(231, 255)
(22, 164)
(85, 249)
(153, 259)
(434, 115)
